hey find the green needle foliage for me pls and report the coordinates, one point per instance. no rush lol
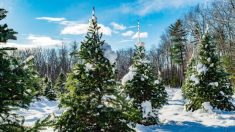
(49, 91)
(6, 33)
(142, 86)
(178, 49)
(91, 103)
(60, 84)
(206, 80)
(18, 82)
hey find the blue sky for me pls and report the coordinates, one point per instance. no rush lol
(48, 23)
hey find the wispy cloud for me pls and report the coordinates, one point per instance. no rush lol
(117, 26)
(143, 7)
(51, 19)
(75, 27)
(142, 35)
(128, 33)
(34, 41)
(132, 27)
(17, 45)
(44, 40)
(78, 29)
(126, 40)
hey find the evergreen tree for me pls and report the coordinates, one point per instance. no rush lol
(60, 84)
(144, 88)
(6, 33)
(229, 64)
(18, 82)
(178, 38)
(206, 80)
(187, 85)
(49, 91)
(91, 104)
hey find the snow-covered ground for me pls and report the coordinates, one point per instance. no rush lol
(176, 119)
(38, 110)
(173, 116)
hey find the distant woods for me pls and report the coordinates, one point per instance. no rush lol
(52, 61)
(177, 45)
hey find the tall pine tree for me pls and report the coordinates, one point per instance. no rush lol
(178, 49)
(206, 80)
(18, 81)
(143, 87)
(91, 102)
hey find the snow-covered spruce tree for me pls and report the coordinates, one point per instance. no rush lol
(60, 84)
(144, 88)
(91, 102)
(49, 91)
(18, 81)
(206, 80)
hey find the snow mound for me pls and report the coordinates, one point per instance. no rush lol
(130, 75)
(178, 95)
(207, 106)
(147, 109)
(175, 119)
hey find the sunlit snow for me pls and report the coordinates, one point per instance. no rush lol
(173, 116)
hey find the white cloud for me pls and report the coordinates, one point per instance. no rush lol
(105, 30)
(43, 40)
(143, 7)
(28, 45)
(118, 26)
(132, 27)
(77, 29)
(34, 42)
(74, 27)
(128, 33)
(52, 19)
(67, 22)
(17, 45)
(125, 40)
(142, 35)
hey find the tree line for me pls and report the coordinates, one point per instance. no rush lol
(175, 48)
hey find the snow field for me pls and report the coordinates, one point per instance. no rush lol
(39, 109)
(173, 116)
